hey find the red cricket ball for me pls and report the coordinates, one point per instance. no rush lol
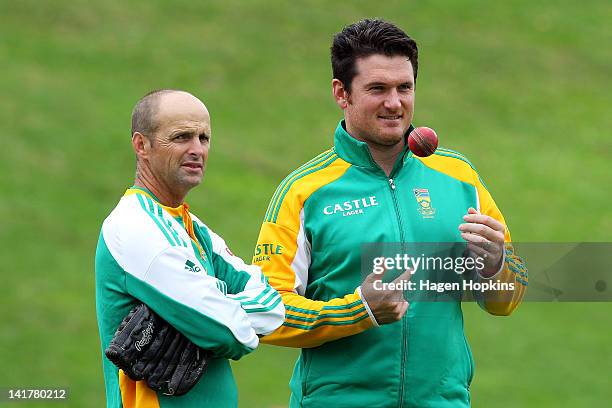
(423, 141)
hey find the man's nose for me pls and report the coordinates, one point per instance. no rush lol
(393, 100)
(196, 147)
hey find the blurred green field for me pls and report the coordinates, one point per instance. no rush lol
(521, 87)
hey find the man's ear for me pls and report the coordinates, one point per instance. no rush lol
(141, 144)
(341, 95)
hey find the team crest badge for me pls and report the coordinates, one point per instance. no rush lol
(424, 202)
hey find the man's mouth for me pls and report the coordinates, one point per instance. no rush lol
(193, 165)
(390, 117)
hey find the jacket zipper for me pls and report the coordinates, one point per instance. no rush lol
(404, 328)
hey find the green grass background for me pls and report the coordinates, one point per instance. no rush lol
(521, 87)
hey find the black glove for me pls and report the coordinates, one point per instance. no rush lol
(147, 348)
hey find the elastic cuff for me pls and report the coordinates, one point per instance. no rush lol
(365, 304)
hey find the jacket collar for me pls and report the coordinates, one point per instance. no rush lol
(173, 211)
(181, 212)
(357, 152)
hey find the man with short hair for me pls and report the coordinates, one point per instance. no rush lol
(357, 349)
(153, 250)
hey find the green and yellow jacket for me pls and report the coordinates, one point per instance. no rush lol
(309, 247)
(168, 259)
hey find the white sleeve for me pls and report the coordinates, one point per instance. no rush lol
(262, 303)
(158, 274)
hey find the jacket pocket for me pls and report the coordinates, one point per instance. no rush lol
(470, 360)
(306, 360)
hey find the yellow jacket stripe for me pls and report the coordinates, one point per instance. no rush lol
(276, 198)
(316, 165)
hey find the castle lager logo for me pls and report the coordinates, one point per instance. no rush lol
(351, 207)
(263, 251)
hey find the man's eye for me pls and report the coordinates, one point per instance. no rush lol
(204, 138)
(183, 136)
(405, 87)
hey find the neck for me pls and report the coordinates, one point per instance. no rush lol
(386, 156)
(163, 193)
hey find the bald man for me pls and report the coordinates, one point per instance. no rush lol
(153, 250)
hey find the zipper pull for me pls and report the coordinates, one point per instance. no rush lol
(392, 184)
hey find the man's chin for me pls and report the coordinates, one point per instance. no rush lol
(390, 138)
(191, 181)
(393, 133)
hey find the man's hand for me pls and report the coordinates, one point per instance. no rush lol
(387, 305)
(485, 237)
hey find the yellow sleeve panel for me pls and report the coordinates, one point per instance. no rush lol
(136, 394)
(310, 323)
(452, 164)
(501, 302)
(514, 271)
(282, 252)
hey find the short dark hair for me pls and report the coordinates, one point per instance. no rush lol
(145, 110)
(367, 37)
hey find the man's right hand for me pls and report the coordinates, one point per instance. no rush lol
(386, 305)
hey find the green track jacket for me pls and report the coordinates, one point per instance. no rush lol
(310, 249)
(168, 259)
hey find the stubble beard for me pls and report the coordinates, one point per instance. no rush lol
(186, 181)
(386, 140)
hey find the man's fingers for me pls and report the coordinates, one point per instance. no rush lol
(374, 276)
(402, 308)
(481, 245)
(476, 218)
(482, 230)
(474, 215)
(485, 246)
(475, 238)
(406, 275)
(405, 307)
(476, 250)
